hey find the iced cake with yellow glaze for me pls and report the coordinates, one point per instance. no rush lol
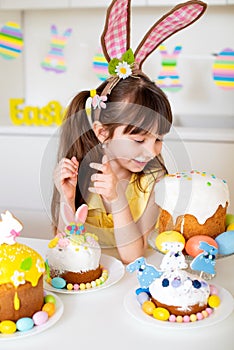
(192, 203)
(21, 273)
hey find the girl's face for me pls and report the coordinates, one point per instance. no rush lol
(133, 151)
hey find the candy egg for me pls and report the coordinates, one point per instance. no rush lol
(214, 301)
(50, 299)
(230, 227)
(142, 297)
(225, 242)
(168, 236)
(148, 307)
(160, 313)
(40, 318)
(58, 282)
(24, 324)
(7, 327)
(229, 219)
(49, 308)
(192, 245)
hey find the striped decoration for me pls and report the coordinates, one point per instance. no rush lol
(168, 78)
(223, 69)
(100, 66)
(11, 41)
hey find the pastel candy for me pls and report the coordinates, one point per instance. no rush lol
(225, 242)
(24, 324)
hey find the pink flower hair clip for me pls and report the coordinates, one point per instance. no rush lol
(99, 101)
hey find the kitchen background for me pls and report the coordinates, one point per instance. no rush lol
(35, 90)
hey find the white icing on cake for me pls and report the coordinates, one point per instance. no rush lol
(175, 288)
(80, 253)
(195, 193)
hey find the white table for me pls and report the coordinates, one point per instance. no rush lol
(99, 320)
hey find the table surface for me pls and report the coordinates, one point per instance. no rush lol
(99, 320)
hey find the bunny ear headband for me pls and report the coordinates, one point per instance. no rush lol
(115, 39)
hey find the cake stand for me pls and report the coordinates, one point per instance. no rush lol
(151, 240)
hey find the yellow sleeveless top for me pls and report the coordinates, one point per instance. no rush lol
(101, 223)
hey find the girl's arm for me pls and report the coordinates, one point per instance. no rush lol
(65, 180)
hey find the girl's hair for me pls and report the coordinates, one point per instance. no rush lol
(135, 102)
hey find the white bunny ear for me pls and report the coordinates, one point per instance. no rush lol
(178, 18)
(67, 213)
(115, 38)
(81, 213)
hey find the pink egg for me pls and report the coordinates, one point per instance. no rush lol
(40, 318)
(192, 245)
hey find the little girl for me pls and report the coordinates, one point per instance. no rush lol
(114, 165)
(113, 161)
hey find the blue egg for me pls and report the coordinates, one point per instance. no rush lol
(24, 324)
(142, 297)
(58, 282)
(225, 242)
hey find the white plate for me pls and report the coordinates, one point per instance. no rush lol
(223, 311)
(115, 270)
(37, 329)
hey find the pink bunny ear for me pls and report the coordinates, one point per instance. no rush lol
(81, 214)
(179, 17)
(115, 38)
(67, 213)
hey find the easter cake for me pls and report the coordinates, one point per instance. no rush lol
(21, 273)
(73, 257)
(170, 293)
(192, 203)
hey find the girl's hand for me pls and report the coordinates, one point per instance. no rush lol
(104, 183)
(65, 178)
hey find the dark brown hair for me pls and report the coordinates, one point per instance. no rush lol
(135, 102)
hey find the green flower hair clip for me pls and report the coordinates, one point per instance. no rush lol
(122, 67)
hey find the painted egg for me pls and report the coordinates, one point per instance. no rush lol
(148, 307)
(7, 327)
(230, 227)
(223, 72)
(11, 40)
(142, 297)
(24, 324)
(40, 318)
(192, 245)
(49, 308)
(214, 301)
(225, 242)
(100, 66)
(229, 219)
(168, 236)
(58, 282)
(161, 314)
(50, 299)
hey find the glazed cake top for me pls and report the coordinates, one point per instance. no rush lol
(191, 192)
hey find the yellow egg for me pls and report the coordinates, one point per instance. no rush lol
(214, 301)
(168, 236)
(230, 227)
(148, 307)
(161, 314)
(7, 327)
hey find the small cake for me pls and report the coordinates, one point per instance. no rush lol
(180, 292)
(21, 273)
(74, 255)
(192, 203)
(171, 293)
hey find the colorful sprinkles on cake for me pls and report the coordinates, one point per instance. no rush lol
(11, 40)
